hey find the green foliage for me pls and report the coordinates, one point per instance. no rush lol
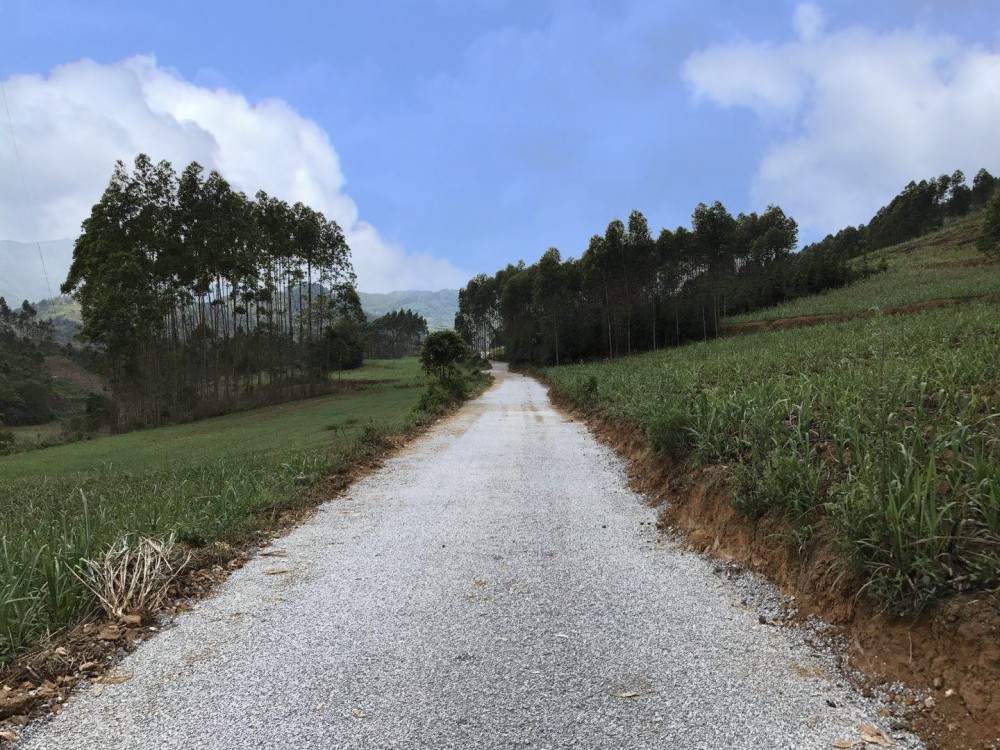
(442, 395)
(26, 393)
(883, 430)
(215, 480)
(340, 345)
(445, 356)
(396, 334)
(6, 441)
(925, 206)
(989, 241)
(629, 292)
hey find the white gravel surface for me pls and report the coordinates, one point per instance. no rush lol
(497, 586)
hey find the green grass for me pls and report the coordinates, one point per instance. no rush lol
(926, 269)
(209, 481)
(404, 372)
(391, 387)
(885, 431)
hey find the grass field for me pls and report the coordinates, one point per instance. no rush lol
(389, 388)
(203, 482)
(885, 431)
(941, 265)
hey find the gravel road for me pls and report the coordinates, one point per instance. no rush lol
(496, 586)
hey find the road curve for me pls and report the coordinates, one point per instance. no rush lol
(496, 586)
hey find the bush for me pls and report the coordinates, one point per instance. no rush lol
(445, 356)
(6, 441)
(989, 240)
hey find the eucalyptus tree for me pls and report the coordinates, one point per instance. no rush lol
(714, 231)
(640, 252)
(549, 298)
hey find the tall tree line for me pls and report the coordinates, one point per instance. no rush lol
(394, 335)
(205, 300)
(630, 292)
(920, 207)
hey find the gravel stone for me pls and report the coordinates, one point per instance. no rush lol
(495, 586)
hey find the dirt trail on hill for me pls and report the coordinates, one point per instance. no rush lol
(495, 586)
(805, 321)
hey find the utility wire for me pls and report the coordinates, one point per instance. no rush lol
(24, 186)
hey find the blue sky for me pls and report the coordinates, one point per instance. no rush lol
(452, 137)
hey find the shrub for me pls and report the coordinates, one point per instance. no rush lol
(989, 240)
(444, 355)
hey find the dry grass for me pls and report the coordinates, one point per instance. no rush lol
(134, 574)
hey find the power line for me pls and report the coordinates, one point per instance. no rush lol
(24, 186)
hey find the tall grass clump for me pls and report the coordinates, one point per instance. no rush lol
(886, 431)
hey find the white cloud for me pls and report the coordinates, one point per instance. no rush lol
(855, 114)
(72, 126)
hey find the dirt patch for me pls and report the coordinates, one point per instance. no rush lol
(66, 370)
(967, 263)
(805, 321)
(950, 656)
(960, 233)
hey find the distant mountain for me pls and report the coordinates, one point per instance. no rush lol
(438, 307)
(21, 276)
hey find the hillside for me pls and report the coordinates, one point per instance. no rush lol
(211, 481)
(438, 308)
(940, 265)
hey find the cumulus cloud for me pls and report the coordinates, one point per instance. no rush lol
(856, 113)
(73, 124)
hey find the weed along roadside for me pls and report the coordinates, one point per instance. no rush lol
(865, 458)
(93, 557)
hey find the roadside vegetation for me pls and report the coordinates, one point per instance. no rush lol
(883, 432)
(201, 484)
(455, 372)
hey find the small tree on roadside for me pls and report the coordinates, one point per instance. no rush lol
(443, 355)
(989, 241)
